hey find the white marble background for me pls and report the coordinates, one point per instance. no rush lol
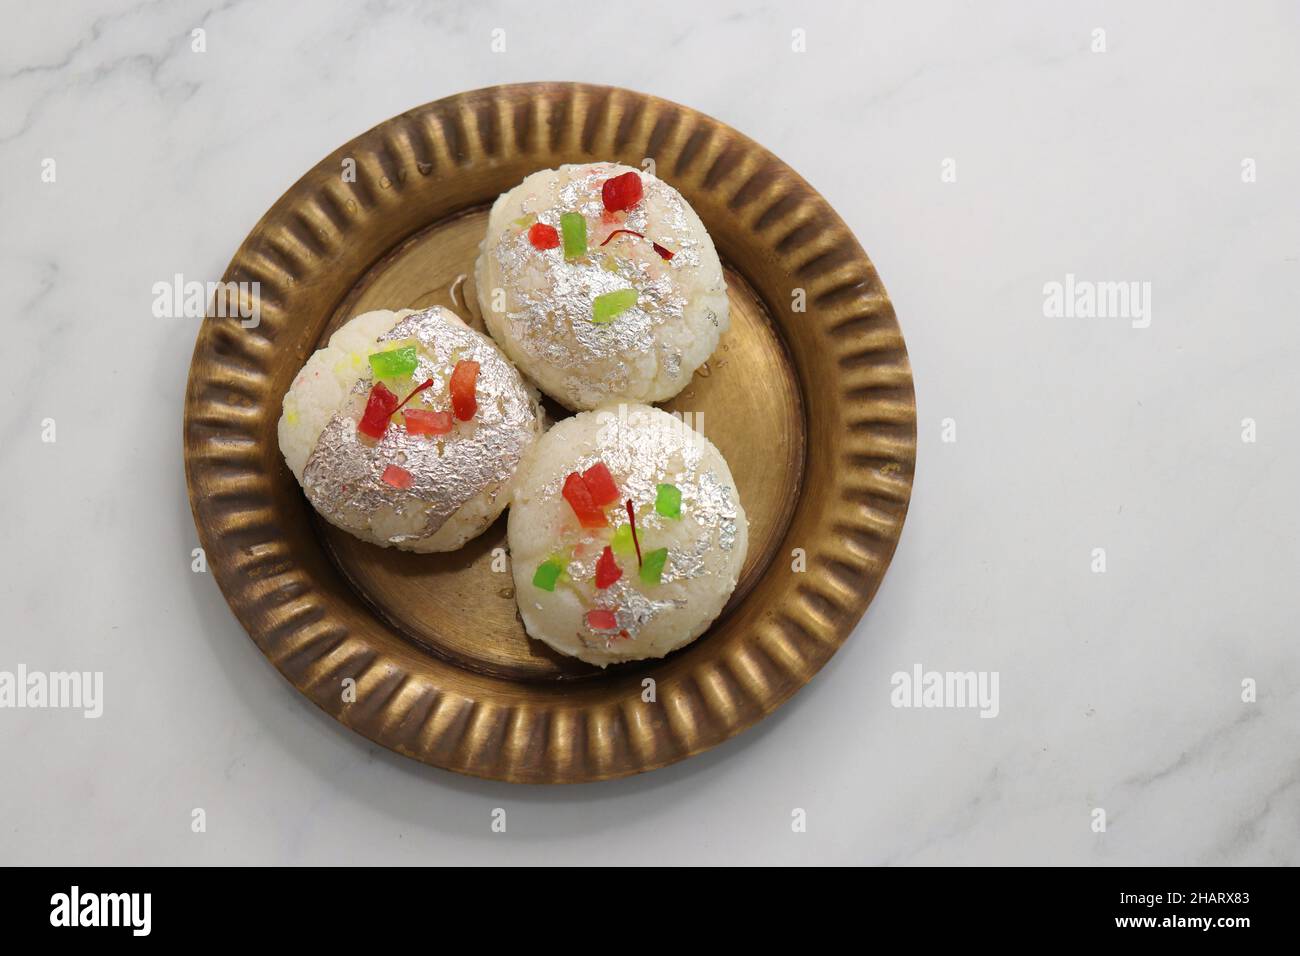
(1119, 690)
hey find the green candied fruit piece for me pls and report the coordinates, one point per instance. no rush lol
(605, 307)
(394, 364)
(652, 565)
(623, 543)
(547, 573)
(573, 229)
(668, 501)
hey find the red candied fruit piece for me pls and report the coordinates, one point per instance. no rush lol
(579, 498)
(621, 192)
(379, 406)
(397, 476)
(607, 569)
(464, 379)
(424, 422)
(543, 236)
(601, 484)
(598, 619)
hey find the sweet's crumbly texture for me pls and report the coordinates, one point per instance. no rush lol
(538, 305)
(326, 380)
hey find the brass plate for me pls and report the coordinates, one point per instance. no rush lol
(813, 409)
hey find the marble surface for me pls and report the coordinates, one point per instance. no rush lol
(1119, 690)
